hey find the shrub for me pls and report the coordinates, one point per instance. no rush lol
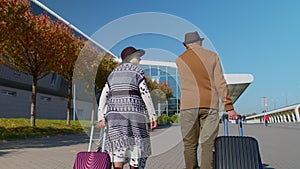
(163, 120)
(175, 119)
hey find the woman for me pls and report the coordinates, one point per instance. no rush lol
(122, 107)
(266, 119)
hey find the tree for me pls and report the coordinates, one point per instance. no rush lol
(66, 60)
(85, 73)
(107, 65)
(31, 48)
(163, 88)
(160, 92)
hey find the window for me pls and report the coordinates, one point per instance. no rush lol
(172, 71)
(17, 73)
(162, 79)
(45, 99)
(154, 71)
(162, 70)
(8, 93)
(155, 78)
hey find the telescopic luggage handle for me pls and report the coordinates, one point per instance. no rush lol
(91, 137)
(240, 124)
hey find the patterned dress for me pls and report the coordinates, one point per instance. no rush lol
(125, 95)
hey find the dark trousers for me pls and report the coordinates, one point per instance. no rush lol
(266, 123)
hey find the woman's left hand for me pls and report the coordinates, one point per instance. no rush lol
(101, 123)
(153, 125)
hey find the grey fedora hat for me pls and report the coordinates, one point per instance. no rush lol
(192, 37)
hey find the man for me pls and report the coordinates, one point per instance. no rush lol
(202, 85)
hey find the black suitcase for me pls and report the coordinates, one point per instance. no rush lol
(236, 152)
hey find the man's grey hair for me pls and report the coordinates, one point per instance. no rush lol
(197, 42)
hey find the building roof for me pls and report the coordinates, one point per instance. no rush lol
(158, 63)
(282, 109)
(237, 83)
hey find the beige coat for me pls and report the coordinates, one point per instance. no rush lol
(202, 80)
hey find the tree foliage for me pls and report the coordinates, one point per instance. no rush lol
(162, 89)
(71, 48)
(32, 43)
(107, 65)
(85, 73)
(33, 49)
(87, 65)
(13, 17)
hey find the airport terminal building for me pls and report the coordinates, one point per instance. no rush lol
(15, 87)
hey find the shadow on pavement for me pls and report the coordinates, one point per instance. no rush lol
(3, 153)
(266, 166)
(45, 142)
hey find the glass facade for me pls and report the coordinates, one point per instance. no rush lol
(164, 72)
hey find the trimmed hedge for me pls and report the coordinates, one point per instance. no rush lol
(175, 119)
(166, 120)
(163, 120)
(19, 128)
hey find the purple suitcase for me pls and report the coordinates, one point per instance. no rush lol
(93, 160)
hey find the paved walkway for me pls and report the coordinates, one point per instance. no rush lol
(279, 146)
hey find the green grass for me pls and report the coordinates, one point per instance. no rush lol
(11, 129)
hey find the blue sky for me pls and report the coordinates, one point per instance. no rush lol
(254, 37)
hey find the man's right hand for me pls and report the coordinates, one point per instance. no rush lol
(101, 123)
(232, 115)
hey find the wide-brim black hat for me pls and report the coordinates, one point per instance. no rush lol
(131, 52)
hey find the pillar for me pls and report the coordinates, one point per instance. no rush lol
(285, 117)
(273, 118)
(276, 118)
(297, 113)
(289, 117)
(281, 118)
(293, 116)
